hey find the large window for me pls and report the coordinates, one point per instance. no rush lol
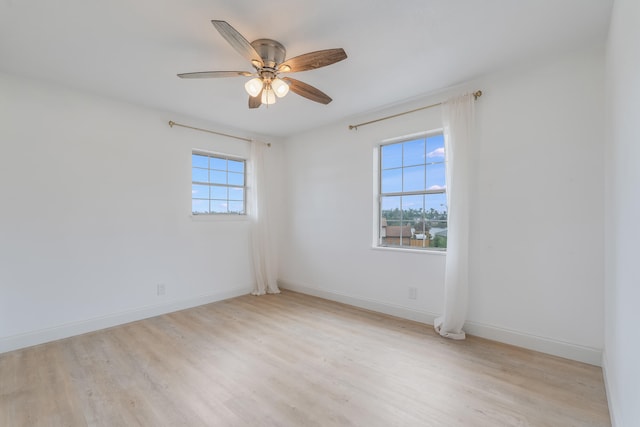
(412, 199)
(218, 184)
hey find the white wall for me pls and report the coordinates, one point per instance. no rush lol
(537, 248)
(96, 213)
(537, 240)
(622, 346)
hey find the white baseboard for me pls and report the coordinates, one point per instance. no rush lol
(76, 328)
(554, 347)
(546, 345)
(368, 304)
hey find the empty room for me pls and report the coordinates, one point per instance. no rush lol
(296, 213)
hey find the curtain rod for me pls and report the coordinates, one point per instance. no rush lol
(172, 124)
(477, 94)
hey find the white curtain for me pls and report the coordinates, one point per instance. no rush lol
(458, 121)
(262, 252)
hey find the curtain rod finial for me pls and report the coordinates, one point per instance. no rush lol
(477, 94)
(171, 123)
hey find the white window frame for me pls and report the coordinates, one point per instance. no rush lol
(244, 187)
(378, 195)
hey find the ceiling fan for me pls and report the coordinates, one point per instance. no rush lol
(268, 58)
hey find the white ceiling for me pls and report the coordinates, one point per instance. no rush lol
(397, 50)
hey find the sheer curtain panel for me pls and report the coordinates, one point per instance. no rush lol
(261, 247)
(458, 121)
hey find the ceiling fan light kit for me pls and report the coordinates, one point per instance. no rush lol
(279, 87)
(268, 96)
(268, 58)
(254, 86)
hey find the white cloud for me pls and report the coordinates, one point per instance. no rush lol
(437, 187)
(438, 152)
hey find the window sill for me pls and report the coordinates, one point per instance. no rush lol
(408, 250)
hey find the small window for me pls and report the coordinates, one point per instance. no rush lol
(412, 194)
(218, 184)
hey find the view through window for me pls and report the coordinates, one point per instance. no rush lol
(218, 184)
(413, 202)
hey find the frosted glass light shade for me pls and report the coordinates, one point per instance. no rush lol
(253, 87)
(268, 96)
(280, 87)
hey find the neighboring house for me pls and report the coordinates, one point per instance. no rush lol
(396, 235)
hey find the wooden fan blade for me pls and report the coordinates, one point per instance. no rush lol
(255, 101)
(237, 41)
(312, 60)
(214, 74)
(307, 91)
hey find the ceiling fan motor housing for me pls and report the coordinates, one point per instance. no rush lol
(271, 52)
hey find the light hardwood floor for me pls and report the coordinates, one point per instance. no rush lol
(291, 360)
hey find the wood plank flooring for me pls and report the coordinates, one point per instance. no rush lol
(291, 360)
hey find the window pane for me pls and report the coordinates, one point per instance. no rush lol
(413, 153)
(219, 164)
(436, 201)
(199, 191)
(235, 166)
(199, 161)
(218, 206)
(435, 148)
(436, 207)
(395, 233)
(236, 193)
(391, 156)
(420, 230)
(390, 208)
(412, 208)
(413, 178)
(218, 192)
(391, 181)
(199, 206)
(236, 207)
(437, 226)
(389, 204)
(438, 235)
(390, 221)
(218, 177)
(235, 178)
(199, 175)
(436, 179)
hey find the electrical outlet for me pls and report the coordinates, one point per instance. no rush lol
(161, 289)
(413, 293)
